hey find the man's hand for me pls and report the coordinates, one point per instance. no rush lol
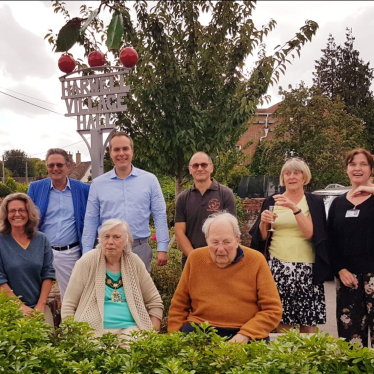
(26, 310)
(162, 258)
(239, 338)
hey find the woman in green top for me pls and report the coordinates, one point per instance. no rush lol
(110, 287)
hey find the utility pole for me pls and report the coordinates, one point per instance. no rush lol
(3, 170)
(27, 178)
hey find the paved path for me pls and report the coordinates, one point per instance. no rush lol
(330, 325)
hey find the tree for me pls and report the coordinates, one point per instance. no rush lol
(342, 73)
(189, 91)
(40, 169)
(320, 131)
(11, 184)
(15, 161)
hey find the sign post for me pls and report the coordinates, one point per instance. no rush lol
(92, 99)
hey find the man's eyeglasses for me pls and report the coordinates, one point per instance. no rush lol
(203, 165)
(20, 211)
(58, 165)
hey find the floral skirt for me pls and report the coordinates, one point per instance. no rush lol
(303, 302)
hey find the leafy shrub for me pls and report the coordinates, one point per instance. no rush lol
(4, 190)
(22, 187)
(28, 346)
(11, 184)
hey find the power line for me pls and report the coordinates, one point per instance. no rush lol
(38, 106)
(36, 154)
(31, 97)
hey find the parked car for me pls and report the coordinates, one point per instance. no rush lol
(333, 185)
(329, 194)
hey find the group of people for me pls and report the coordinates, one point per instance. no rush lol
(94, 240)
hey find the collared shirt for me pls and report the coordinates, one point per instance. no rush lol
(239, 255)
(194, 208)
(132, 199)
(59, 223)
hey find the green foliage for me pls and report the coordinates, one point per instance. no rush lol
(256, 168)
(190, 91)
(11, 184)
(341, 72)
(318, 129)
(28, 346)
(40, 169)
(68, 35)
(22, 187)
(229, 168)
(115, 31)
(4, 190)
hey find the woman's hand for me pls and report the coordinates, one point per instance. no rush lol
(239, 338)
(156, 322)
(363, 191)
(281, 200)
(347, 278)
(267, 216)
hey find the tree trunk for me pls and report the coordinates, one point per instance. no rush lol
(178, 186)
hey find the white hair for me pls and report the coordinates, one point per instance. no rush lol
(222, 217)
(113, 222)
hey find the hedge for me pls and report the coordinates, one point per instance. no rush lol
(27, 345)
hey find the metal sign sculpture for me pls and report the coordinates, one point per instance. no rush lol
(92, 99)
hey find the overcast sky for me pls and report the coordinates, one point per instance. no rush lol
(29, 67)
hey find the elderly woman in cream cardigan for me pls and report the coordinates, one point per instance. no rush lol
(110, 287)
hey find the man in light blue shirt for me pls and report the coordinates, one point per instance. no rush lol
(62, 205)
(131, 194)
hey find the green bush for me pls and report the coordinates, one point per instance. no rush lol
(28, 346)
(22, 187)
(11, 184)
(4, 190)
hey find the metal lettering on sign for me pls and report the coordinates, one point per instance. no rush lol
(92, 99)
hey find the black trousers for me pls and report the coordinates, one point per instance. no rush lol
(221, 331)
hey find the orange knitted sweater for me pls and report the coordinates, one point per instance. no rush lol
(242, 295)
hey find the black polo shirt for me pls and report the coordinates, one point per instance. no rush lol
(194, 208)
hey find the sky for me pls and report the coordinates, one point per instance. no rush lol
(29, 70)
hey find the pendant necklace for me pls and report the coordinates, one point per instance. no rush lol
(115, 296)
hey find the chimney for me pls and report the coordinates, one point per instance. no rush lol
(78, 158)
(70, 158)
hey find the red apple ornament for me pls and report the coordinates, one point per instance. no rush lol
(129, 57)
(96, 58)
(66, 63)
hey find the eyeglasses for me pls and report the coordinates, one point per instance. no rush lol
(203, 165)
(225, 243)
(59, 165)
(20, 211)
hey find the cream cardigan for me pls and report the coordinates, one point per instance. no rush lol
(84, 296)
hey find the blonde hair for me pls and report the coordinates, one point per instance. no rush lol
(293, 164)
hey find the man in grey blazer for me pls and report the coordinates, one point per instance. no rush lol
(62, 203)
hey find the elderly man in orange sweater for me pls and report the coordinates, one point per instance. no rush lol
(228, 285)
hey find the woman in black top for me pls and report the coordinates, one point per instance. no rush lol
(351, 239)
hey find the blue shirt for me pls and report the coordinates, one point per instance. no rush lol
(132, 199)
(59, 223)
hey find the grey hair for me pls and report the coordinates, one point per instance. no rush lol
(113, 222)
(223, 217)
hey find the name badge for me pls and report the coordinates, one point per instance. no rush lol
(352, 213)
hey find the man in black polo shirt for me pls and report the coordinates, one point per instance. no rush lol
(195, 204)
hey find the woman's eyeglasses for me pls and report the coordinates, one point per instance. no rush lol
(58, 165)
(203, 165)
(20, 211)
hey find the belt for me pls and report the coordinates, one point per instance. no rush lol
(64, 247)
(140, 241)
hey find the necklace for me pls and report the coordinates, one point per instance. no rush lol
(115, 296)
